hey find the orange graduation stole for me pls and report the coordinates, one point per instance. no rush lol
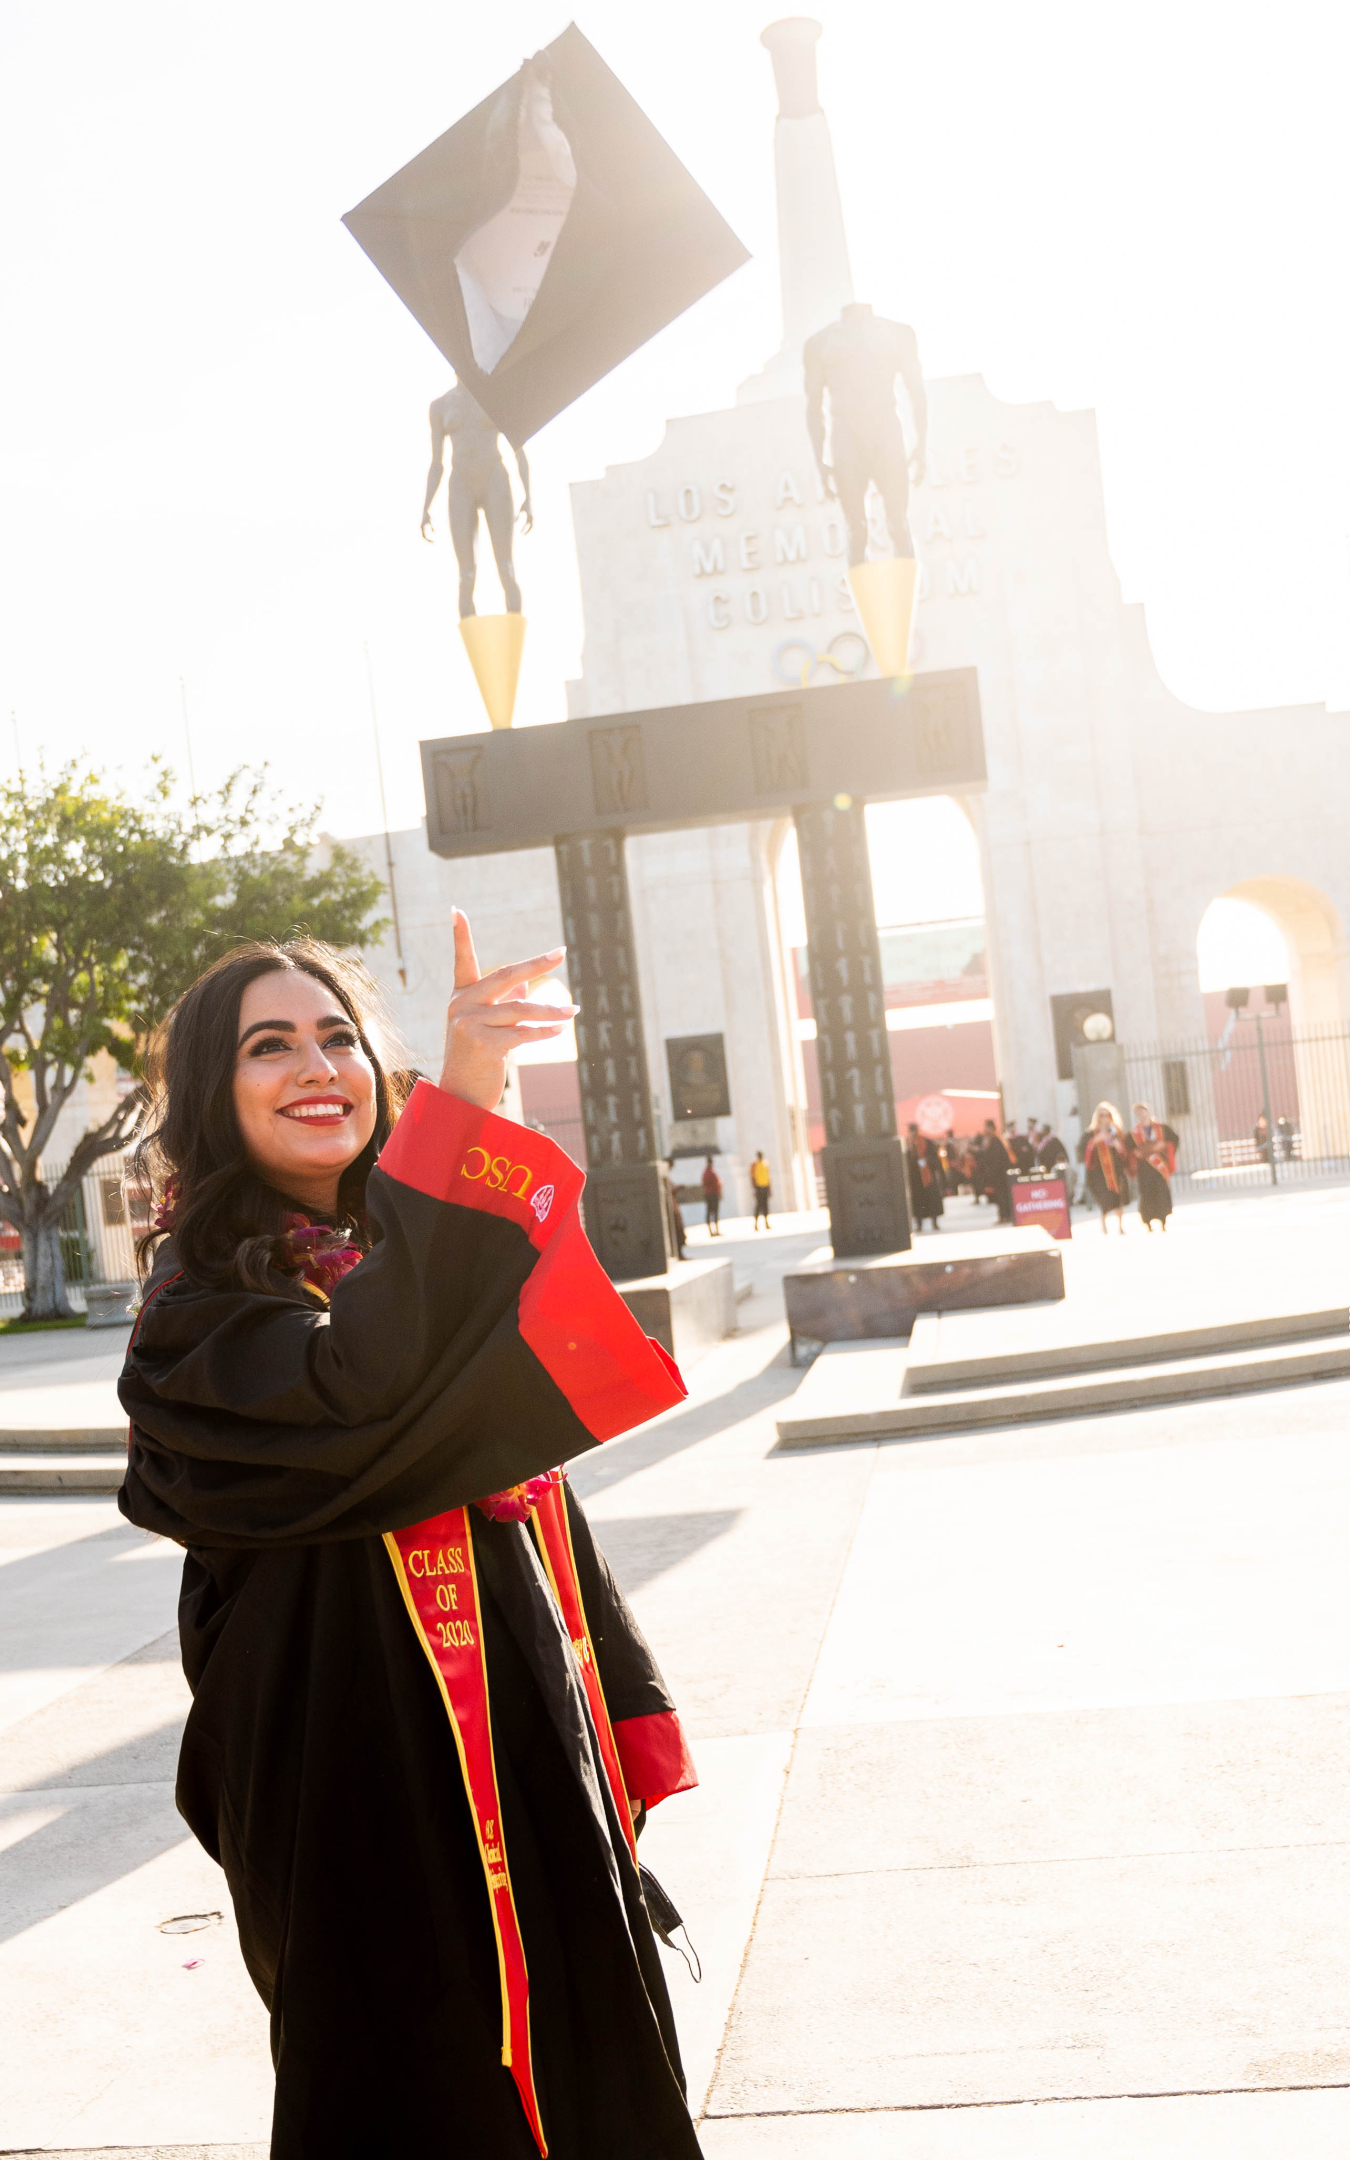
(434, 1563)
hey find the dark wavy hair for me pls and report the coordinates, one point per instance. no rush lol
(228, 1224)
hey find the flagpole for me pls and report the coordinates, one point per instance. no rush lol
(384, 817)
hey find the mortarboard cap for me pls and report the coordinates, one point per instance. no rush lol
(545, 236)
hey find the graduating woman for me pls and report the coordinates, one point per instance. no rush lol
(424, 1721)
(1155, 1160)
(1107, 1160)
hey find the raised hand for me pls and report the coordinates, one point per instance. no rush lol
(485, 1021)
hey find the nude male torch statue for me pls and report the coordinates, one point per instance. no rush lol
(479, 483)
(856, 361)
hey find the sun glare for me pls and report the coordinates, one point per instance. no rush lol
(1239, 943)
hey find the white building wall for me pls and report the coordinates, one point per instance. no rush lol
(1114, 814)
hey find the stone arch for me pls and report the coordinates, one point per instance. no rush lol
(1319, 963)
(1319, 1004)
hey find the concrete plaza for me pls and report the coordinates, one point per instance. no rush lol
(1024, 1828)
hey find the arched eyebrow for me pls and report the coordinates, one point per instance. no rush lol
(287, 1027)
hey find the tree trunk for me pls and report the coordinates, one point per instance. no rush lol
(44, 1275)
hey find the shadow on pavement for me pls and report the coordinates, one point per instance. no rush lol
(606, 1467)
(641, 1547)
(103, 1833)
(73, 1577)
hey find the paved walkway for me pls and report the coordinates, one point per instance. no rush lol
(1024, 1828)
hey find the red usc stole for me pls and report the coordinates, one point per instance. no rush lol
(554, 1535)
(435, 1567)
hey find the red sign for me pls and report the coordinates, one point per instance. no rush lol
(1043, 1201)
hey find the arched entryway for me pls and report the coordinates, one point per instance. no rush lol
(1274, 975)
(1314, 936)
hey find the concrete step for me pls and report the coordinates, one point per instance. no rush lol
(831, 1301)
(938, 1365)
(36, 1471)
(62, 1440)
(834, 1403)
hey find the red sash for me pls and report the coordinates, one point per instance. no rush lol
(1156, 1150)
(1108, 1155)
(554, 1535)
(435, 1567)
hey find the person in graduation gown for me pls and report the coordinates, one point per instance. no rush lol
(1155, 1161)
(1022, 1148)
(1107, 1157)
(952, 1163)
(923, 1160)
(997, 1164)
(1051, 1154)
(424, 1722)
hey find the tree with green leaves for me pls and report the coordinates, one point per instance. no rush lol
(109, 908)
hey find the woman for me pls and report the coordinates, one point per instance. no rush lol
(1155, 1160)
(424, 1720)
(1107, 1159)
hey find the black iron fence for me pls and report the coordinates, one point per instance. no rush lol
(1268, 1103)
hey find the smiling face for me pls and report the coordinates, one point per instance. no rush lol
(304, 1089)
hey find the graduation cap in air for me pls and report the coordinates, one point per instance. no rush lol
(545, 236)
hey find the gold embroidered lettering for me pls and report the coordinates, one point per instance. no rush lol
(447, 1597)
(498, 1172)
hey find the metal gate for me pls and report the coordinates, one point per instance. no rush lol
(102, 1220)
(1266, 1104)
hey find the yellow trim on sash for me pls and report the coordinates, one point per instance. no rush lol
(542, 1543)
(396, 1556)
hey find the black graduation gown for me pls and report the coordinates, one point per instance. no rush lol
(1155, 1187)
(995, 1171)
(1108, 1197)
(276, 1441)
(925, 1201)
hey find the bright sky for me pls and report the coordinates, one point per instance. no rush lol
(1239, 943)
(925, 867)
(215, 409)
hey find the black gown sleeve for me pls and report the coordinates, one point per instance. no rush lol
(478, 1344)
(653, 1753)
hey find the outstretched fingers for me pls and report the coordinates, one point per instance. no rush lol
(499, 982)
(521, 1012)
(467, 970)
(508, 1039)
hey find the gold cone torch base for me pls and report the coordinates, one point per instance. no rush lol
(494, 644)
(884, 593)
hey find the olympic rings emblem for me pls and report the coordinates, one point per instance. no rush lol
(796, 659)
